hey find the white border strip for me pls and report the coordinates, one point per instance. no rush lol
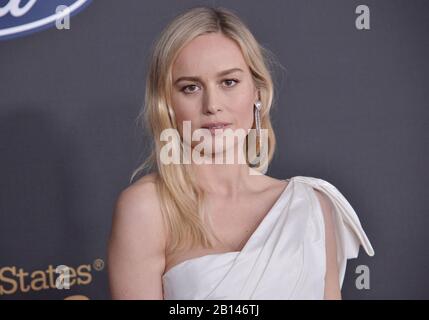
(42, 22)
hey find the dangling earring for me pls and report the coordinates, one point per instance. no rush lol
(258, 106)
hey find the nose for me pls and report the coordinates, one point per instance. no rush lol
(211, 100)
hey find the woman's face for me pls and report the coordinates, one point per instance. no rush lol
(203, 94)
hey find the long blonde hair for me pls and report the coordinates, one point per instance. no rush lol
(185, 219)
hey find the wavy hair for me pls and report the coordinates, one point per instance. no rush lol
(186, 221)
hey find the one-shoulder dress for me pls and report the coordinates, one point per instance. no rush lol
(285, 256)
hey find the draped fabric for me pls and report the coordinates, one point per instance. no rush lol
(285, 256)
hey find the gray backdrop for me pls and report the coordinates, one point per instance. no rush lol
(351, 109)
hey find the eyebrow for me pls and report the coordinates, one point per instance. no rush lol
(219, 74)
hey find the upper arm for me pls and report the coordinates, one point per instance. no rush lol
(332, 285)
(136, 259)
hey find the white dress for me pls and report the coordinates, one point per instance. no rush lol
(283, 259)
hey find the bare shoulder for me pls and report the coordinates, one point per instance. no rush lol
(138, 203)
(136, 257)
(149, 178)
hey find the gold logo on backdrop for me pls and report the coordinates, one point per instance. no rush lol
(18, 280)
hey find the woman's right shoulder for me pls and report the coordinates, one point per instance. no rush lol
(148, 178)
(138, 204)
(140, 192)
(136, 250)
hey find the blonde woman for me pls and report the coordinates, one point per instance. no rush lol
(206, 230)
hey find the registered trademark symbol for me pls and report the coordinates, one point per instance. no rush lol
(98, 264)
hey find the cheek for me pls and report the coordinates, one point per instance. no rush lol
(184, 111)
(181, 107)
(244, 111)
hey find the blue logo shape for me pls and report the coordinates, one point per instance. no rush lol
(22, 17)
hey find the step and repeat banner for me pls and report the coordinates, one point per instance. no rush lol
(352, 108)
(52, 237)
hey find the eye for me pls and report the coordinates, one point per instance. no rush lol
(185, 87)
(229, 80)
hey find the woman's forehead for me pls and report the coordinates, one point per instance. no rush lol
(208, 55)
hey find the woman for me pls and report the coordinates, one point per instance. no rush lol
(204, 230)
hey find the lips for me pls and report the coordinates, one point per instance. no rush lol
(216, 127)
